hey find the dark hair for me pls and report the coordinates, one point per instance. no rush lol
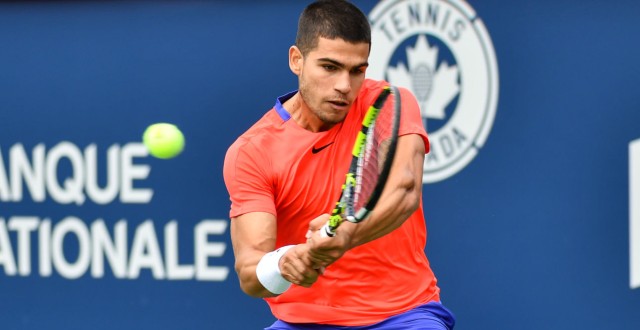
(331, 19)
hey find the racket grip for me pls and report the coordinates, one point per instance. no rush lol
(326, 231)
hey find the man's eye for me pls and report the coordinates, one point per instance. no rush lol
(329, 67)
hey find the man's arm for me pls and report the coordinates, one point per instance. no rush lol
(253, 235)
(400, 198)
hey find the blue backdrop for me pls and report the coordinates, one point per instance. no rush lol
(532, 234)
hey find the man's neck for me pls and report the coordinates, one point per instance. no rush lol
(303, 116)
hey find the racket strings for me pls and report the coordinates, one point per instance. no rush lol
(373, 155)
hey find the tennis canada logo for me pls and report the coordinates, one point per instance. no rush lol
(634, 214)
(441, 51)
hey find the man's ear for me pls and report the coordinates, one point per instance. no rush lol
(295, 60)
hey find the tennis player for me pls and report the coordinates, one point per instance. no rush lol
(283, 176)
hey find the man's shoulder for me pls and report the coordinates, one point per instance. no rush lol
(372, 86)
(368, 92)
(261, 128)
(247, 147)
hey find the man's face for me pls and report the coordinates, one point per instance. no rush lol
(331, 76)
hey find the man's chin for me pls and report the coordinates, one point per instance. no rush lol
(334, 119)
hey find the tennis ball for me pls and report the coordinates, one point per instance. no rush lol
(163, 140)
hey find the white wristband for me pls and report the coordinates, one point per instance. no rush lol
(268, 271)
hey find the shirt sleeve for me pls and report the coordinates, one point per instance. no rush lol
(411, 119)
(248, 182)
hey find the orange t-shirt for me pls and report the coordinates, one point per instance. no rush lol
(276, 167)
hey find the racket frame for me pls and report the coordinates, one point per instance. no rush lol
(343, 209)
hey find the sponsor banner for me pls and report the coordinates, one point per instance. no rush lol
(65, 174)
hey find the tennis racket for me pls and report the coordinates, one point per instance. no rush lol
(371, 161)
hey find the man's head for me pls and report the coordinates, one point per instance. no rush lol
(330, 59)
(331, 19)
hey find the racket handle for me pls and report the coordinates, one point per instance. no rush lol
(326, 231)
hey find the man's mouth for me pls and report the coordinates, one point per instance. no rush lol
(339, 103)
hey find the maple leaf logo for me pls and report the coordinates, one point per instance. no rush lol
(434, 87)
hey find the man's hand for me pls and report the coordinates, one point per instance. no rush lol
(323, 251)
(296, 267)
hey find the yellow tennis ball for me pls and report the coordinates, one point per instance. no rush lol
(163, 140)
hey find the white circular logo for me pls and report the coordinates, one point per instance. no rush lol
(441, 51)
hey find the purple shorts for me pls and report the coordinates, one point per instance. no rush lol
(431, 316)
